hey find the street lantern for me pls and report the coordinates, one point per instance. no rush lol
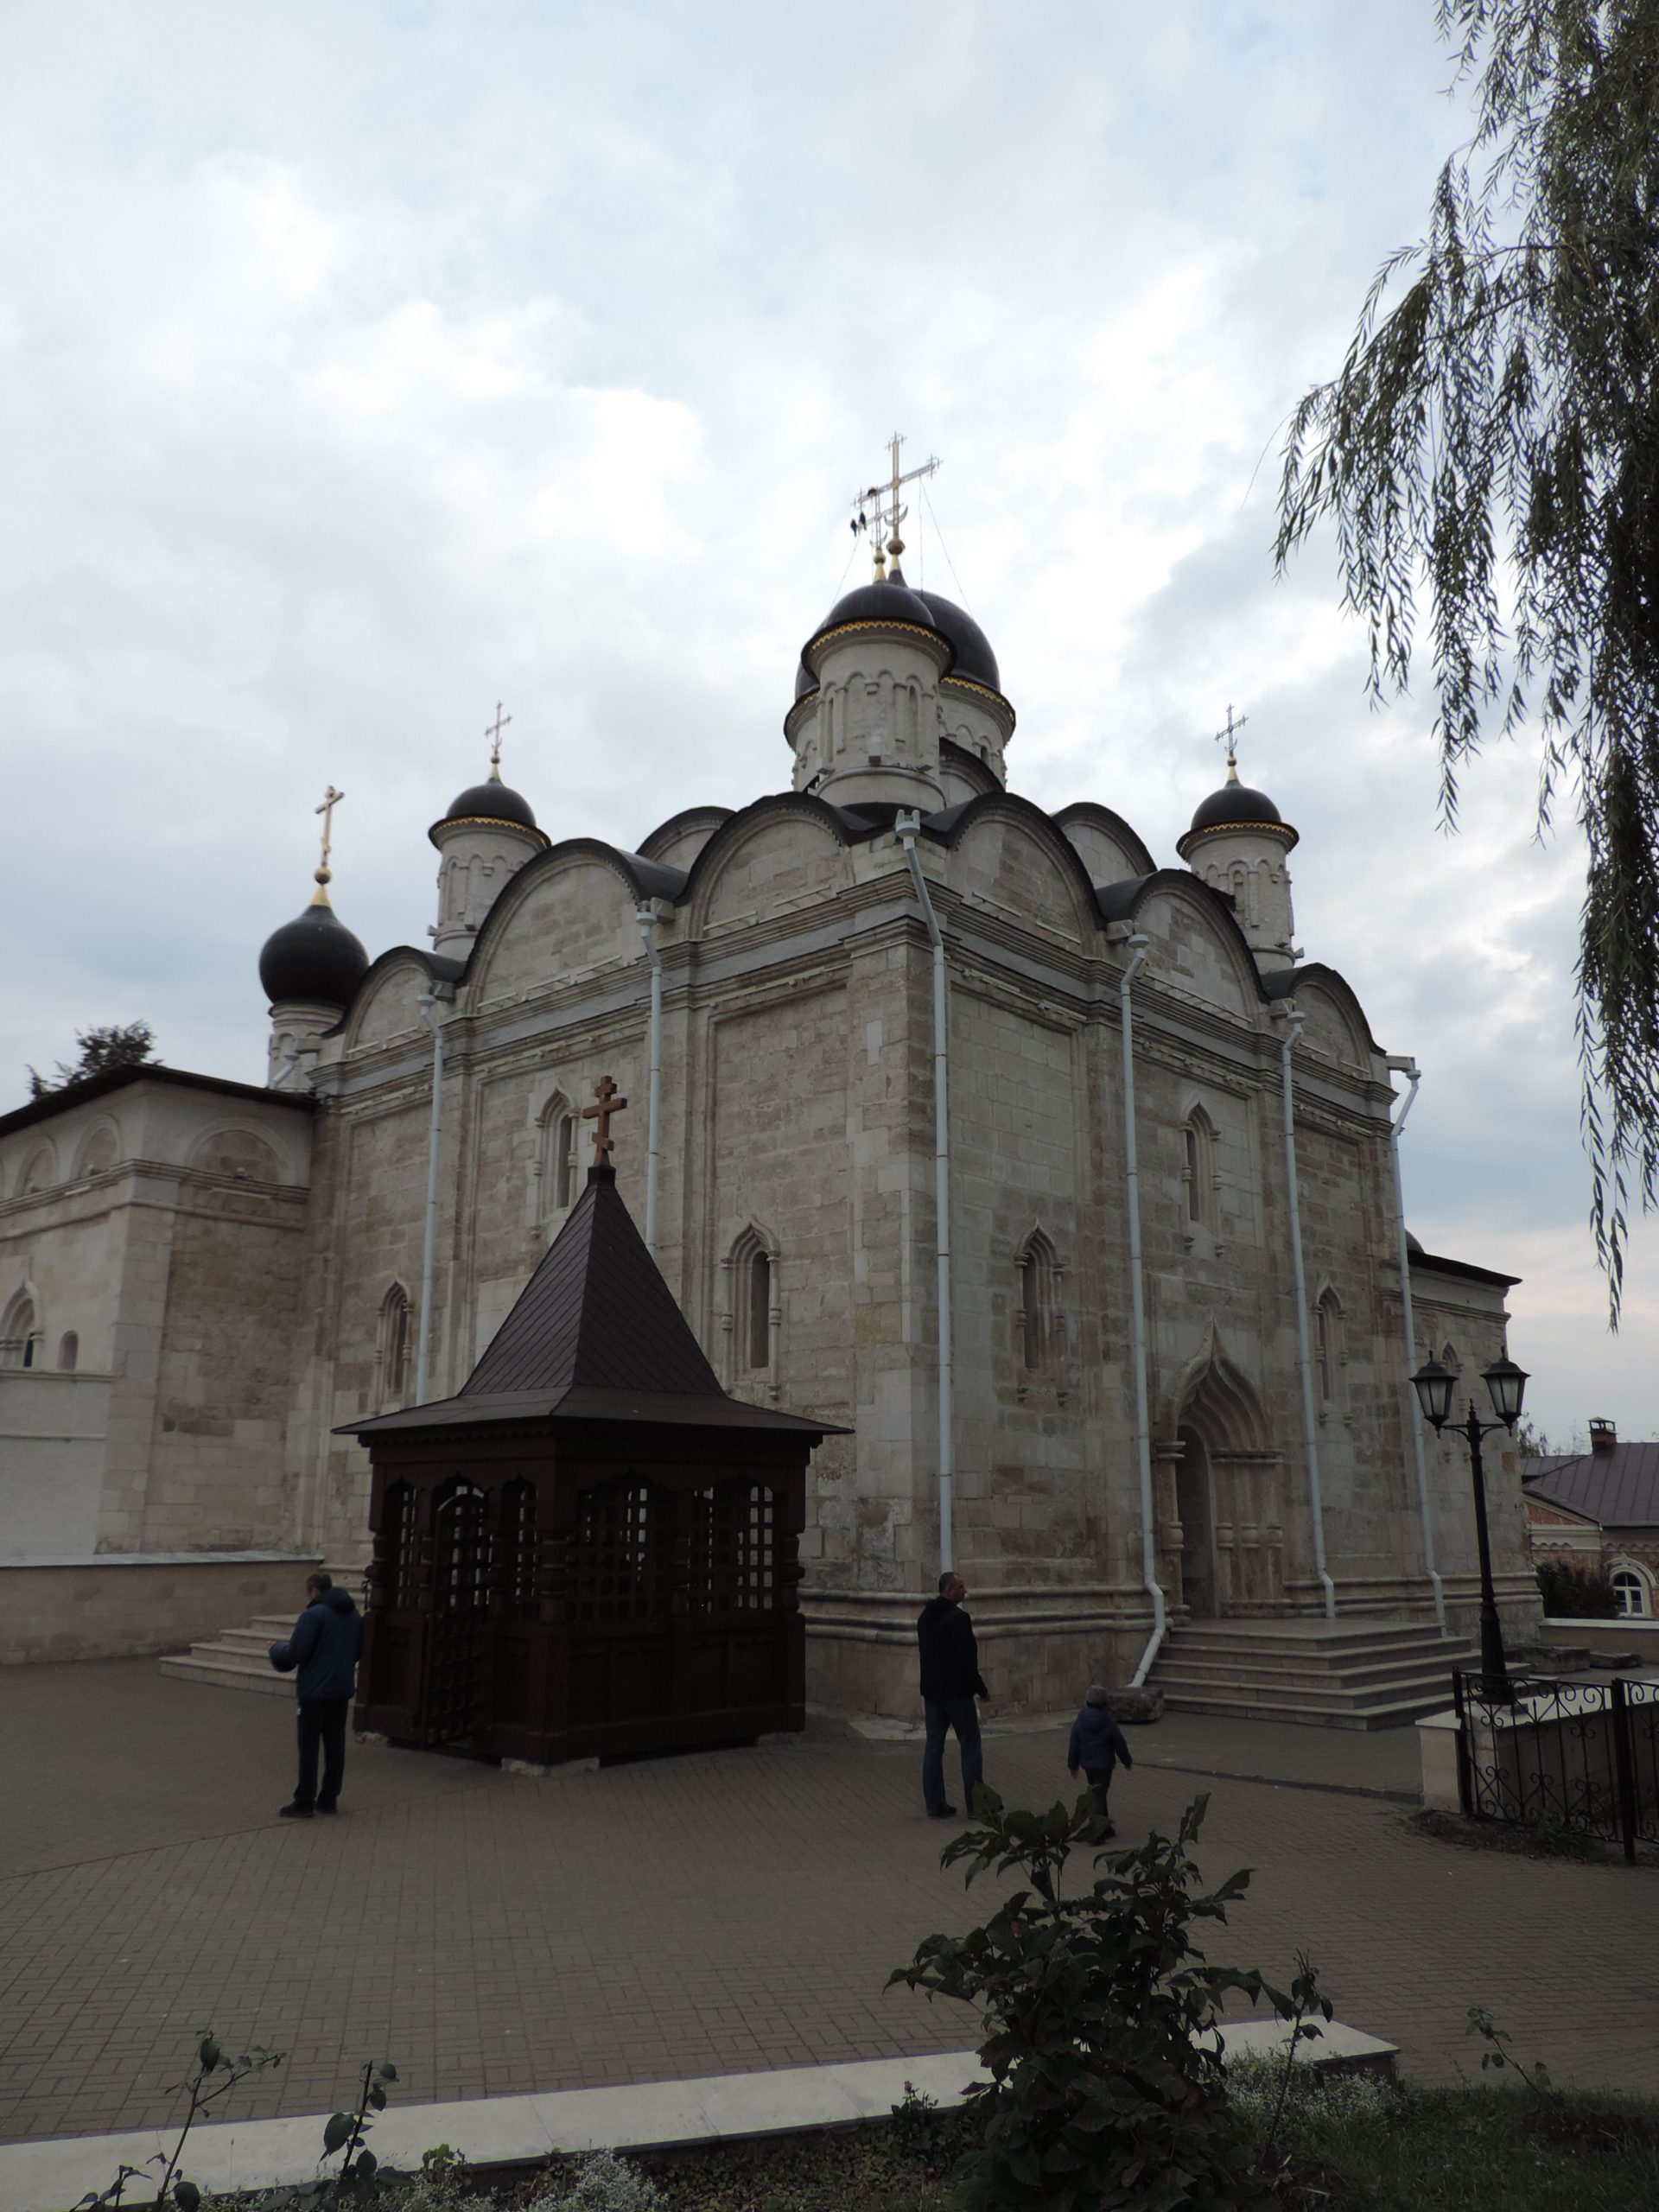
(1434, 1385)
(1508, 1384)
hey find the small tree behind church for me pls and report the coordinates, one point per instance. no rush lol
(119, 1044)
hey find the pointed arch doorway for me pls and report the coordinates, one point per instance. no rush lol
(1194, 1509)
(1227, 1485)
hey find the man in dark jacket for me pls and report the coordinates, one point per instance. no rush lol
(950, 1682)
(324, 1647)
(1097, 1746)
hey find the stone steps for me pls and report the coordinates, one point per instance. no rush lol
(239, 1658)
(1332, 1674)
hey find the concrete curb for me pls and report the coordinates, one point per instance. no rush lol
(50, 2176)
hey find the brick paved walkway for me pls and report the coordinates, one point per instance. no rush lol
(698, 1915)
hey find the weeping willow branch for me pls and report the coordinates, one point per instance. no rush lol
(1489, 457)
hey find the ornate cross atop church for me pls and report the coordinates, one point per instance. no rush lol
(493, 733)
(1229, 738)
(323, 873)
(878, 508)
(599, 1116)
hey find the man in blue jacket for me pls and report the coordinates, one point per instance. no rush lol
(950, 1682)
(324, 1647)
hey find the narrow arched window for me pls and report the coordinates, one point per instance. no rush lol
(1327, 1334)
(759, 1311)
(1198, 1169)
(68, 1351)
(394, 1346)
(1039, 1321)
(750, 1319)
(1032, 1288)
(558, 1156)
(20, 1334)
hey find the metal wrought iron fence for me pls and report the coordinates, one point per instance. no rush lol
(1580, 1756)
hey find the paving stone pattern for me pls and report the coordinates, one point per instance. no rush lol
(704, 1914)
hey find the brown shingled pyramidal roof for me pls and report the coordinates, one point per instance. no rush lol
(595, 1335)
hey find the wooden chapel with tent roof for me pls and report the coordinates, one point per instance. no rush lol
(591, 1550)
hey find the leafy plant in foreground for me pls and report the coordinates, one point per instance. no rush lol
(212, 2063)
(1536, 2076)
(1108, 2086)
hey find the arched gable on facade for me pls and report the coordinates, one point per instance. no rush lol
(677, 842)
(385, 1005)
(569, 910)
(1008, 853)
(786, 849)
(1108, 847)
(1195, 945)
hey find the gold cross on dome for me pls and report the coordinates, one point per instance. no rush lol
(1229, 737)
(331, 800)
(878, 508)
(599, 1116)
(493, 733)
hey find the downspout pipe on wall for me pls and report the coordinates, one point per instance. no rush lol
(648, 916)
(1413, 1074)
(1287, 1014)
(1136, 947)
(906, 827)
(428, 1003)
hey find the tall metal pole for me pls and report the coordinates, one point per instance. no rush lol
(1494, 1666)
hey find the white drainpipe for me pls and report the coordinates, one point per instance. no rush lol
(647, 916)
(1287, 1014)
(428, 1003)
(1413, 1074)
(906, 827)
(1136, 947)
(286, 1066)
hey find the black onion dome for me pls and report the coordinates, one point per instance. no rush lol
(974, 659)
(878, 602)
(493, 801)
(313, 956)
(886, 601)
(1236, 803)
(1414, 1246)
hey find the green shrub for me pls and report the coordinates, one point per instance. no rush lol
(1107, 2088)
(1573, 1594)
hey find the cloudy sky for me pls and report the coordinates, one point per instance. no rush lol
(360, 365)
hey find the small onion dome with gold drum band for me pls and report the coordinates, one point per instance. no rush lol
(315, 957)
(1236, 807)
(491, 801)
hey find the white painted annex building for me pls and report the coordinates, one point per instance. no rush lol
(200, 1281)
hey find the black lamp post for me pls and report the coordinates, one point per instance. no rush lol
(1508, 1383)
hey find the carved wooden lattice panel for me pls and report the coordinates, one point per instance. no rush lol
(619, 1559)
(516, 1535)
(459, 1590)
(400, 1549)
(734, 1553)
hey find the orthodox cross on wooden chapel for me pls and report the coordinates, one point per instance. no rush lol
(877, 508)
(493, 733)
(331, 800)
(1229, 738)
(599, 1116)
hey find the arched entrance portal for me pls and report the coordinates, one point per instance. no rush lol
(1193, 1507)
(1228, 1491)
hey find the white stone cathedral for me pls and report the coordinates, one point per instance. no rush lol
(961, 1124)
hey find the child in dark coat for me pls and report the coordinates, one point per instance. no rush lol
(1097, 1746)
